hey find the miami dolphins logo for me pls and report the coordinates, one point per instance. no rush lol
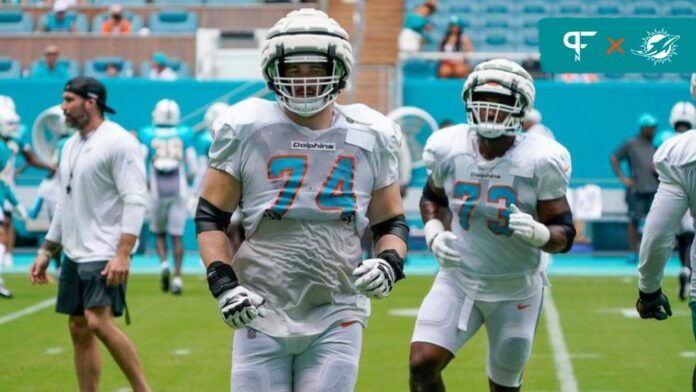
(658, 46)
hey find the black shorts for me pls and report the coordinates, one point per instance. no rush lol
(638, 205)
(81, 286)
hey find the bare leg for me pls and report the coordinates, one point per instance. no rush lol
(9, 228)
(101, 323)
(86, 354)
(178, 246)
(426, 364)
(161, 245)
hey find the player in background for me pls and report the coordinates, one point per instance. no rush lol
(532, 124)
(15, 136)
(7, 124)
(675, 163)
(507, 194)
(171, 162)
(309, 176)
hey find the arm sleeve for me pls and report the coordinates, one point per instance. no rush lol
(128, 172)
(667, 210)
(553, 175)
(226, 151)
(388, 169)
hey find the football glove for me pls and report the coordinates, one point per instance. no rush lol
(239, 306)
(653, 305)
(441, 244)
(525, 227)
(375, 278)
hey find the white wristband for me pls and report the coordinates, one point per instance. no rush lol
(432, 228)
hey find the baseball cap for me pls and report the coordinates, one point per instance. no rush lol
(89, 88)
(160, 58)
(647, 120)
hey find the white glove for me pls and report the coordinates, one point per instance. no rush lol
(524, 226)
(441, 244)
(239, 306)
(374, 278)
(21, 212)
(192, 205)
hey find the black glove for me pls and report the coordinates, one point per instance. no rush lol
(653, 305)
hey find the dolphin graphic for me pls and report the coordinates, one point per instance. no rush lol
(658, 46)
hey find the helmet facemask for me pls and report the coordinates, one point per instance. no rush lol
(493, 110)
(301, 86)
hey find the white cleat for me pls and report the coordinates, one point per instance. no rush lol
(4, 292)
(177, 285)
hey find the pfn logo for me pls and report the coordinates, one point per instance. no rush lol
(572, 40)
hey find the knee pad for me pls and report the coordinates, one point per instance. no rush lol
(249, 380)
(337, 375)
(508, 359)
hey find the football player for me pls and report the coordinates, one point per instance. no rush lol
(309, 176)
(506, 191)
(171, 162)
(675, 163)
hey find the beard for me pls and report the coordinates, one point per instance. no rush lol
(77, 120)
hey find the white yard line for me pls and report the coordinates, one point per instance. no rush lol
(27, 311)
(564, 368)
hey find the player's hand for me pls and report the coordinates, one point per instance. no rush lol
(524, 226)
(444, 250)
(653, 305)
(21, 212)
(116, 270)
(239, 306)
(37, 271)
(374, 278)
(192, 205)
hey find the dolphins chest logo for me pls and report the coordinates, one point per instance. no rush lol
(658, 46)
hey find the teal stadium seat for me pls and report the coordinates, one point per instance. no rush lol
(537, 8)
(68, 69)
(180, 67)
(124, 3)
(607, 9)
(96, 67)
(10, 68)
(645, 9)
(80, 21)
(416, 68)
(173, 22)
(234, 2)
(571, 9)
(499, 8)
(682, 9)
(15, 21)
(177, 2)
(135, 20)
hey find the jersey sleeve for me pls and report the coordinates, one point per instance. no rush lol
(553, 171)
(225, 151)
(388, 167)
(434, 152)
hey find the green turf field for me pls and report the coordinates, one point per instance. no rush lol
(184, 345)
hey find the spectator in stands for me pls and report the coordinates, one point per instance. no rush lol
(116, 24)
(642, 183)
(455, 41)
(112, 70)
(578, 78)
(50, 67)
(59, 20)
(160, 69)
(416, 26)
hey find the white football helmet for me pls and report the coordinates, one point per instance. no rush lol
(8, 102)
(683, 112)
(504, 77)
(166, 113)
(306, 36)
(213, 112)
(9, 122)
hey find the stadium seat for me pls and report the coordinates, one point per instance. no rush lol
(645, 9)
(571, 9)
(498, 22)
(541, 9)
(96, 67)
(180, 67)
(498, 40)
(81, 25)
(177, 2)
(651, 77)
(135, 20)
(612, 76)
(72, 67)
(10, 68)
(499, 8)
(531, 22)
(681, 9)
(463, 9)
(173, 21)
(233, 2)
(15, 21)
(529, 40)
(607, 9)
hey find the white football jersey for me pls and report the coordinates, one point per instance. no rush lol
(480, 193)
(304, 206)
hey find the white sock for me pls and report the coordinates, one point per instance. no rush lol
(3, 249)
(164, 264)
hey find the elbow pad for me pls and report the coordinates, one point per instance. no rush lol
(430, 195)
(396, 226)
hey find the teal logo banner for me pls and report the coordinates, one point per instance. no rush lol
(617, 45)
